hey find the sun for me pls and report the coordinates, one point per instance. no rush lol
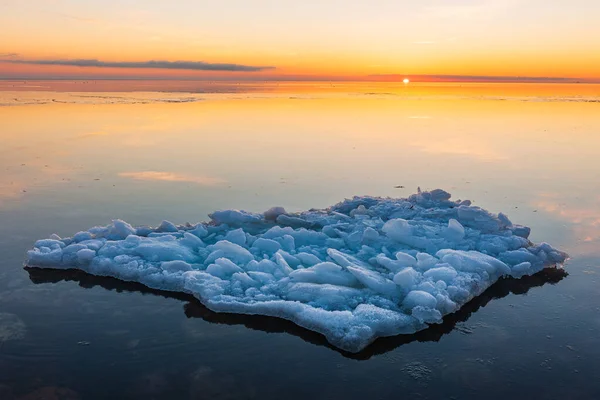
(406, 81)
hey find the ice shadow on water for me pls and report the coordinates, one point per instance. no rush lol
(194, 309)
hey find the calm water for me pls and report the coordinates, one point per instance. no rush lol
(72, 157)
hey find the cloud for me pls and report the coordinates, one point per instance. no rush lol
(8, 55)
(152, 64)
(171, 177)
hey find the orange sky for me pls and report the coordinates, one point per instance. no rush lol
(326, 39)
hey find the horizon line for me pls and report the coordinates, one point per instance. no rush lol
(398, 78)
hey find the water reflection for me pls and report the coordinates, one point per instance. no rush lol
(579, 212)
(67, 167)
(172, 177)
(194, 309)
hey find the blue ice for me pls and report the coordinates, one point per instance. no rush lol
(364, 268)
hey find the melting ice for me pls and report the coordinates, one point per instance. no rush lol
(363, 268)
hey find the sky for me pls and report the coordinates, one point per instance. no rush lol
(490, 40)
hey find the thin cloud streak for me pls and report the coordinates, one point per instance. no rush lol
(152, 64)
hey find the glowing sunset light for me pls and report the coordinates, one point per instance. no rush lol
(474, 40)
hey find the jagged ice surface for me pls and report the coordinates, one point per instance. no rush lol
(363, 268)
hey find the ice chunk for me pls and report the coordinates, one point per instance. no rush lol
(287, 220)
(370, 235)
(223, 268)
(325, 272)
(326, 295)
(445, 273)
(199, 231)
(419, 298)
(192, 241)
(266, 245)
(374, 281)
(86, 255)
(234, 217)
(266, 266)
(398, 229)
(473, 261)
(283, 265)
(272, 213)
(363, 268)
(426, 315)
(425, 261)
(406, 279)
(438, 195)
(237, 236)
(244, 279)
(345, 260)
(119, 230)
(521, 231)
(175, 266)
(406, 260)
(308, 259)
(402, 261)
(521, 269)
(392, 265)
(455, 231)
(232, 251)
(262, 277)
(82, 236)
(167, 226)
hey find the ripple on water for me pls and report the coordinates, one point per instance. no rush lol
(418, 371)
(11, 327)
(51, 393)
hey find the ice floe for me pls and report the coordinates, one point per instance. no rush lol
(363, 268)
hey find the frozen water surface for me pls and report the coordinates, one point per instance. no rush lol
(364, 268)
